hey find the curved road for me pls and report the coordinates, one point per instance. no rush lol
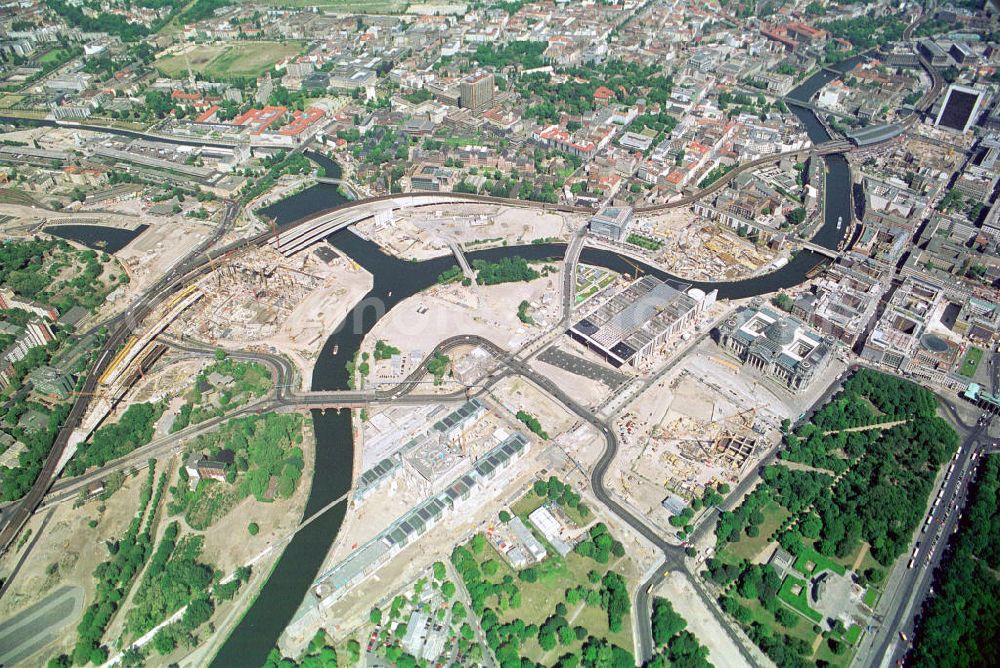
(198, 263)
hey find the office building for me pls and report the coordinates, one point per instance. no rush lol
(477, 91)
(611, 222)
(960, 108)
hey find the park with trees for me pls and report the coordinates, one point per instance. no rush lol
(53, 272)
(265, 447)
(247, 381)
(865, 464)
(674, 645)
(962, 619)
(572, 610)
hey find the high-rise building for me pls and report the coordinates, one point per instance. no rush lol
(477, 91)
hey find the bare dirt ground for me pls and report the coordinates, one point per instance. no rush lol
(268, 302)
(67, 553)
(169, 380)
(158, 248)
(423, 321)
(584, 390)
(517, 394)
(311, 322)
(421, 234)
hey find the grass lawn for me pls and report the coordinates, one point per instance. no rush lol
(555, 575)
(803, 630)
(53, 56)
(241, 59)
(971, 362)
(748, 548)
(853, 634)
(835, 660)
(871, 595)
(531, 502)
(527, 504)
(810, 562)
(798, 602)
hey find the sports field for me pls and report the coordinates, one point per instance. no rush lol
(242, 59)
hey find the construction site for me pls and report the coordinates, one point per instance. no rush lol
(423, 233)
(288, 304)
(697, 250)
(708, 420)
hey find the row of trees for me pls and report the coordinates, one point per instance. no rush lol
(320, 653)
(961, 620)
(173, 579)
(532, 423)
(115, 577)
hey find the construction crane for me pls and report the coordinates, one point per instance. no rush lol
(638, 269)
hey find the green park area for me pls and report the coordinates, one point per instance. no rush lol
(557, 492)
(847, 509)
(971, 362)
(222, 386)
(505, 270)
(267, 464)
(590, 281)
(959, 624)
(795, 593)
(161, 578)
(225, 61)
(811, 562)
(576, 605)
(643, 241)
(57, 274)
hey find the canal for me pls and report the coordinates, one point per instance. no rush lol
(393, 281)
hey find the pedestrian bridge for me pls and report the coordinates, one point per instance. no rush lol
(463, 262)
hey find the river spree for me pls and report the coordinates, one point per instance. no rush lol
(396, 280)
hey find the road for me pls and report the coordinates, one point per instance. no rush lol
(122, 326)
(907, 587)
(673, 554)
(38, 625)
